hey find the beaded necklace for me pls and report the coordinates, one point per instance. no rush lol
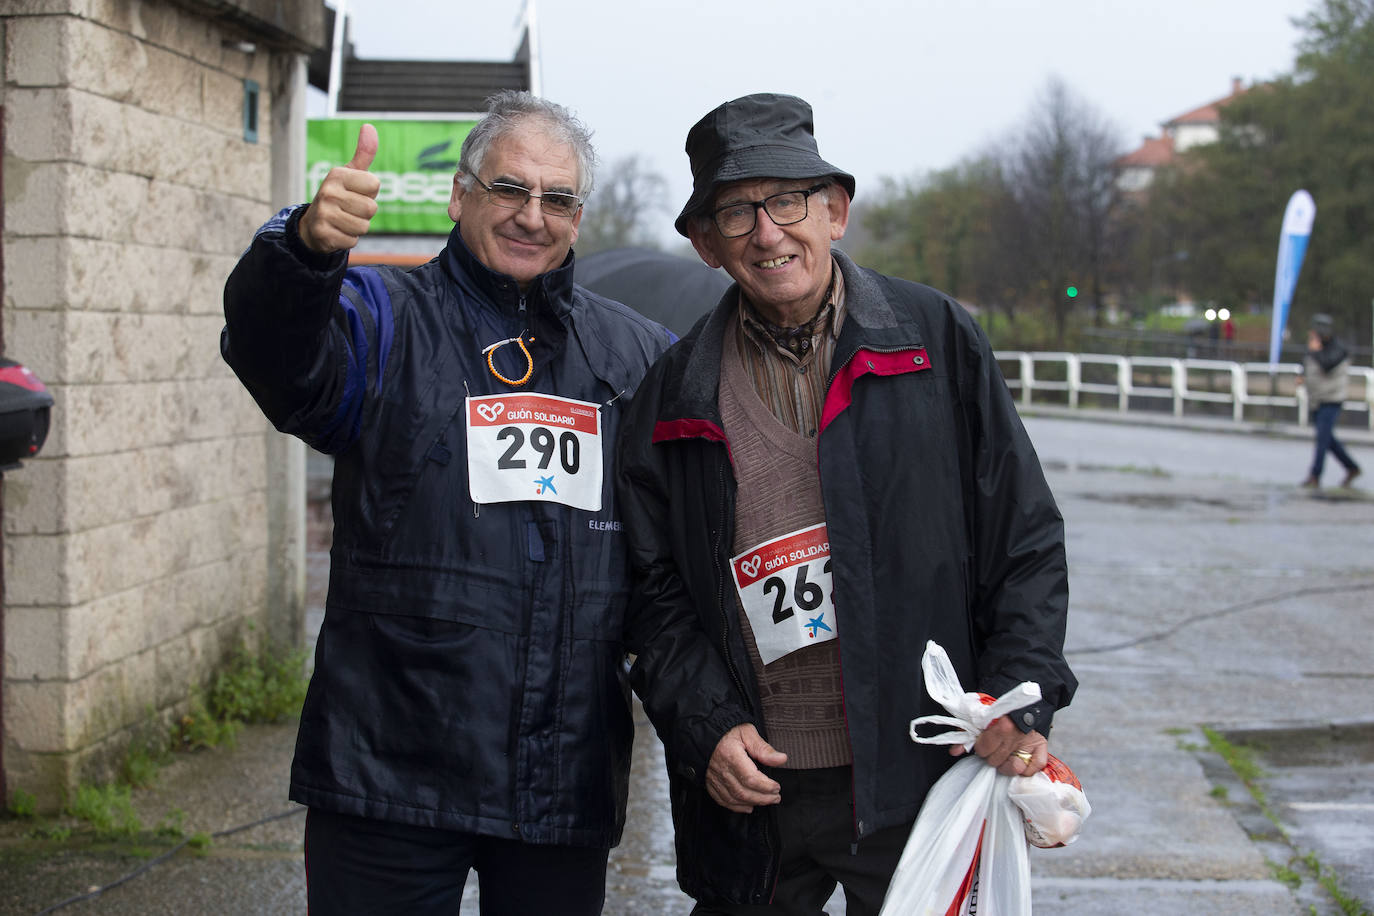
(519, 340)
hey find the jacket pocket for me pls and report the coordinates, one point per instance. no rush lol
(419, 448)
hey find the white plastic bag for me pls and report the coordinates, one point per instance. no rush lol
(1053, 804)
(967, 850)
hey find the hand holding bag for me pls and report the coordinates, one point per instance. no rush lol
(966, 854)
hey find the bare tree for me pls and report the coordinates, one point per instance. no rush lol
(1059, 170)
(622, 210)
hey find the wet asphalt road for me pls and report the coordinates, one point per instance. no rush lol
(1206, 590)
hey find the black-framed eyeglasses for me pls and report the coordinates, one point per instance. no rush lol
(737, 219)
(514, 197)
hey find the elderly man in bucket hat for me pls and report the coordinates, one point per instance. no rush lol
(825, 473)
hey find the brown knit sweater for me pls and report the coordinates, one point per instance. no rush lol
(779, 492)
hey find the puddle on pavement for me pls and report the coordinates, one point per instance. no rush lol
(1168, 501)
(1339, 495)
(1057, 465)
(1267, 499)
(1336, 745)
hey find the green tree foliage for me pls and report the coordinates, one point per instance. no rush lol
(941, 230)
(1338, 55)
(1010, 231)
(1151, 255)
(1312, 129)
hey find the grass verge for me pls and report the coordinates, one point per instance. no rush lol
(254, 688)
(1302, 865)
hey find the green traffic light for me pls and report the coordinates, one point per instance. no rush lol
(1072, 291)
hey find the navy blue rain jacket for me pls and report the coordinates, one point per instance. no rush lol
(468, 672)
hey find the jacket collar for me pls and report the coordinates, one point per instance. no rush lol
(867, 303)
(870, 321)
(554, 287)
(1331, 352)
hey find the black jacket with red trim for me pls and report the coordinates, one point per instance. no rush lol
(941, 527)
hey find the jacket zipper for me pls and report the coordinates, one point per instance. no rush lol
(839, 649)
(836, 370)
(839, 660)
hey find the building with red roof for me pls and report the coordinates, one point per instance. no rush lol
(1198, 127)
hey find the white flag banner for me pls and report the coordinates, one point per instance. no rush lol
(1297, 229)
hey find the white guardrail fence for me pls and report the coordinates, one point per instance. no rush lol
(1211, 381)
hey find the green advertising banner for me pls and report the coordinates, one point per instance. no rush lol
(415, 162)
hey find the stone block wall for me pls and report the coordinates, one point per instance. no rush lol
(136, 546)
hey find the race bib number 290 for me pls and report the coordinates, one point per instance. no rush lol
(534, 447)
(785, 588)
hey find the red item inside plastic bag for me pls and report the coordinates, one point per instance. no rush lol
(1058, 771)
(1052, 804)
(1053, 818)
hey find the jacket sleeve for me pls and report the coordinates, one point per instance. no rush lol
(1330, 356)
(305, 343)
(680, 676)
(1020, 589)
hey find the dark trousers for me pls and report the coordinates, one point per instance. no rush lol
(357, 866)
(1325, 419)
(816, 820)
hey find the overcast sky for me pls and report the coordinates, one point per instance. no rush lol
(899, 87)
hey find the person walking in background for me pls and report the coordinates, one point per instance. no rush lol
(1325, 370)
(468, 707)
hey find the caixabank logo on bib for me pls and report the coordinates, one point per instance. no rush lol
(415, 164)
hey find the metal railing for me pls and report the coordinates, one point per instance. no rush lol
(1240, 386)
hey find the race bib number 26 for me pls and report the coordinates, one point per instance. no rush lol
(784, 586)
(534, 447)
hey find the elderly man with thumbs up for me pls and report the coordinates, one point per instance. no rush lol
(468, 708)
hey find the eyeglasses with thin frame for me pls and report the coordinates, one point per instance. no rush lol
(514, 197)
(784, 209)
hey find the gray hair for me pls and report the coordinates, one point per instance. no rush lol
(704, 222)
(511, 109)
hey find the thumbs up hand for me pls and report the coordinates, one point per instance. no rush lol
(346, 201)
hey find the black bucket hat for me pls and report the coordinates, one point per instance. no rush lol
(764, 135)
